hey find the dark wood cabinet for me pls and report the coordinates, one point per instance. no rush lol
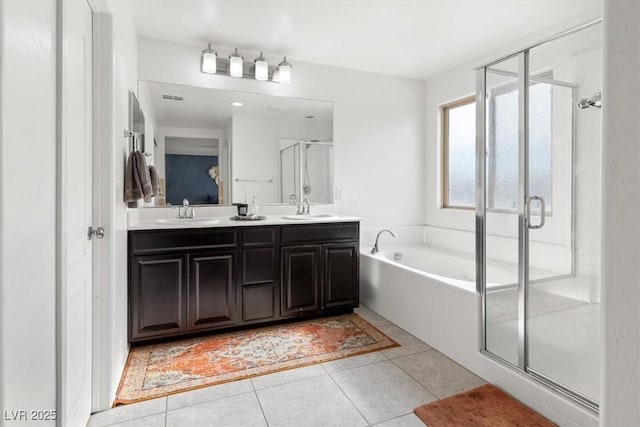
(211, 289)
(157, 300)
(341, 275)
(301, 279)
(203, 279)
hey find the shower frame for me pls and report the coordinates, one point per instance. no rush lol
(524, 79)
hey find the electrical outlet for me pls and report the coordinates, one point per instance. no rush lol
(338, 193)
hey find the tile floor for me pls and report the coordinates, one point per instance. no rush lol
(374, 389)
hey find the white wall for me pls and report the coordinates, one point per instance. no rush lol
(27, 207)
(125, 79)
(378, 126)
(620, 389)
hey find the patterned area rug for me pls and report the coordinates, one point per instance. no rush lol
(162, 369)
(485, 406)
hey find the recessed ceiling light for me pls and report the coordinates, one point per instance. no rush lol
(237, 104)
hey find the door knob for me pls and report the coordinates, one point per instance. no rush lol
(98, 233)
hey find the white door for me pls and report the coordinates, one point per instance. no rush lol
(75, 215)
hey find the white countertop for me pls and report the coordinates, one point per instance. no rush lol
(226, 221)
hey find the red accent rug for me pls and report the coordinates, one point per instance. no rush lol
(162, 369)
(485, 406)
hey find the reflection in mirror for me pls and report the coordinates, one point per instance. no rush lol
(215, 146)
(136, 121)
(305, 166)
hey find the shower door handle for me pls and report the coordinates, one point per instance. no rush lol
(527, 212)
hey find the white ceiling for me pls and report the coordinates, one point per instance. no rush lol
(416, 39)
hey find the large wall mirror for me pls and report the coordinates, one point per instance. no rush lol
(213, 146)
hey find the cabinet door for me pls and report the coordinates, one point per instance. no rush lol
(211, 289)
(340, 276)
(157, 293)
(300, 279)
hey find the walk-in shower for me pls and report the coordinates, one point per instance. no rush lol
(538, 210)
(306, 171)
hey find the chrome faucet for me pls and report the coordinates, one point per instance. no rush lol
(185, 212)
(375, 249)
(301, 207)
(293, 200)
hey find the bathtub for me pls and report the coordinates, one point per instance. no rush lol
(426, 290)
(448, 266)
(430, 292)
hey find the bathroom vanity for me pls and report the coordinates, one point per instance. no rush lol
(184, 281)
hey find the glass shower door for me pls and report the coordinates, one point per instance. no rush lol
(502, 154)
(538, 211)
(562, 310)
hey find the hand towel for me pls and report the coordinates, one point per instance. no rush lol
(155, 181)
(132, 186)
(145, 179)
(137, 182)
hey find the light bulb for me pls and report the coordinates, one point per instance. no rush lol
(208, 60)
(235, 64)
(262, 68)
(285, 71)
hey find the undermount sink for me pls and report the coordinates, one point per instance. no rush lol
(188, 221)
(309, 217)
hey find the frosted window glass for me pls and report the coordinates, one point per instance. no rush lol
(540, 143)
(462, 155)
(503, 170)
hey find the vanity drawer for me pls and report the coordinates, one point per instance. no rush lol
(182, 239)
(259, 236)
(259, 265)
(319, 232)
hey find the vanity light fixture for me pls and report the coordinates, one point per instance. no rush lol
(261, 68)
(237, 104)
(235, 64)
(285, 71)
(211, 63)
(208, 63)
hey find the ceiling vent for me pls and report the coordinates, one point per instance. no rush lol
(173, 97)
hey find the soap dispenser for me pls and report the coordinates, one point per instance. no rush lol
(254, 206)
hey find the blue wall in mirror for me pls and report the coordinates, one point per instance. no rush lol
(187, 177)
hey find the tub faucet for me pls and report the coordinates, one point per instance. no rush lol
(375, 249)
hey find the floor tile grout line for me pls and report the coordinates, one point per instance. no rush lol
(414, 378)
(409, 354)
(358, 366)
(255, 392)
(137, 417)
(349, 400)
(292, 381)
(266, 421)
(391, 419)
(209, 400)
(166, 410)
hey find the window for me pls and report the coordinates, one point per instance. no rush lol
(459, 148)
(459, 154)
